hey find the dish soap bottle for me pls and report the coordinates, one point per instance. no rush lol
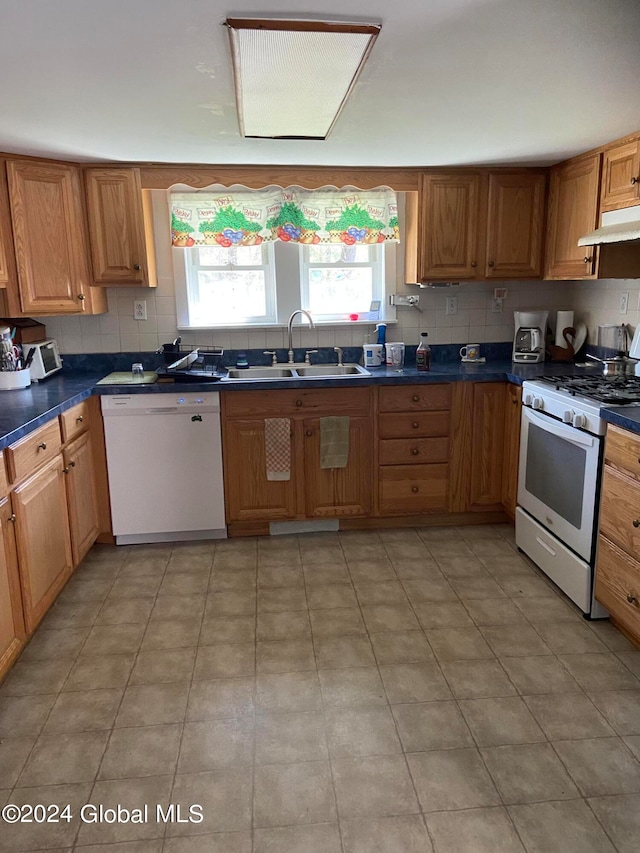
(423, 354)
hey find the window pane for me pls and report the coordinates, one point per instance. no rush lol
(218, 256)
(229, 297)
(340, 290)
(333, 253)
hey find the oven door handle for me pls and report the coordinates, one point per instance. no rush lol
(569, 433)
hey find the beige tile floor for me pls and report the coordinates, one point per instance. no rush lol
(396, 691)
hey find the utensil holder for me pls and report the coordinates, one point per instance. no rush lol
(13, 380)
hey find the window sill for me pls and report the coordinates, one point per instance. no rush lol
(275, 326)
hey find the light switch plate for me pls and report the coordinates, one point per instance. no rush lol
(451, 305)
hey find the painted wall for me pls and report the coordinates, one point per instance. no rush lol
(597, 303)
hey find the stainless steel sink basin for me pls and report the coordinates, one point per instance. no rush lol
(261, 373)
(333, 370)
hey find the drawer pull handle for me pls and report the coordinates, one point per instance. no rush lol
(72, 464)
(414, 451)
(80, 419)
(298, 402)
(415, 489)
(415, 398)
(636, 522)
(65, 470)
(309, 432)
(632, 599)
(415, 425)
(42, 445)
(12, 518)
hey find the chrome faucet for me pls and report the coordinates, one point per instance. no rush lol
(338, 350)
(309, 318)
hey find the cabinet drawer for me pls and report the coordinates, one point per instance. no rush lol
(413, 489)
(4, 482)
(410, 424)
(74, 421)
(409, 398)
(288, 402)
(413, 451)
(620, 510)
(617, 580)
(34, 450)
(622, 449)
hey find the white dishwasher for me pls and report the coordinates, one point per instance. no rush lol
(164, 458)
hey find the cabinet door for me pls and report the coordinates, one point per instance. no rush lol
(347, 491)
(11, 619)
(621, 176)
(42, 536)
(512, 416)
(49, 238)
(515, 225)
(573, 212)
(449, 225)
(7, 259)
(116, 226)
(81, 496)
(487, 445)
(249, 495)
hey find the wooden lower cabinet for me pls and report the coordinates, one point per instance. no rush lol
(81, 496)
(43, 539)
(511, 458)
(487, 445)
(12, 634)
(310, 492)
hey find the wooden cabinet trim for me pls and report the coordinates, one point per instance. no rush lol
(617, 581)
(32, 451)
(4, 480)
(75, 421)
(622, 451)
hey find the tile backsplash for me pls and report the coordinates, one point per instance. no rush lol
(598, 302)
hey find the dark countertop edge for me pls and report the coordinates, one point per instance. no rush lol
(81, 386)
(627, 418)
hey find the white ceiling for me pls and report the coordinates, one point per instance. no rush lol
(448, 81)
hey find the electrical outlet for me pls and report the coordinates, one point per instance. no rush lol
(139, 309)
(451, 305)
(496, 305)
(623, 305)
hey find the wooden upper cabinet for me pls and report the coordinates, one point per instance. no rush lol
(47, 214)
(120, 228)
(7, 259)
(515, 225)
(450, 218)
(573, 212)
(621, 176)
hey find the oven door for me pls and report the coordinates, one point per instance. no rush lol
(558, 479)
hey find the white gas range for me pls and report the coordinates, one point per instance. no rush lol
(560, 469)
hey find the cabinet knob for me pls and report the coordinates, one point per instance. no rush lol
(635, 180)
(136, 266)
(65, 470)
(309, 432)
(414, 489)
(415, 425)
(81, 297)
(631, 598)
(42, 445)
(514, 402)
(587, 259)
(415, 398)
(474, 264)
(72, 464)
(80, 419)
(12, 519)
(490, 264)
(414, 451)
(636, 522)
(298, 403)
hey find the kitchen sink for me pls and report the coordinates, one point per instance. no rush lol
(298, 371)
(333, 370)
(262, 373)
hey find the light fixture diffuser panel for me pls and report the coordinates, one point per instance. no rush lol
(293, 82)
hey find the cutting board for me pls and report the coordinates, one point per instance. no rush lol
(125, 378)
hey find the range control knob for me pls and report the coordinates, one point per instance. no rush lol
(579, 421)
(538, 404)
(567, 416)
(527, 399)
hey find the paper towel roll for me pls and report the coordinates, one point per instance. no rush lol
(564, 320)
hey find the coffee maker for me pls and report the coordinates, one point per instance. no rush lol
(529, 339)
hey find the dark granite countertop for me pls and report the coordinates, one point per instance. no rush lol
(626, 417)
(22, 411)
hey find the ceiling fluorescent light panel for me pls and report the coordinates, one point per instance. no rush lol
(293, 77)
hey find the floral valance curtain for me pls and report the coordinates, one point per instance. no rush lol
(249, 217)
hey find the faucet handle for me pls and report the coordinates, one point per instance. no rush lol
(307, 354)
(272, 353)
(339, 351)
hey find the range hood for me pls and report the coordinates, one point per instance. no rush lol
(617, 226)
